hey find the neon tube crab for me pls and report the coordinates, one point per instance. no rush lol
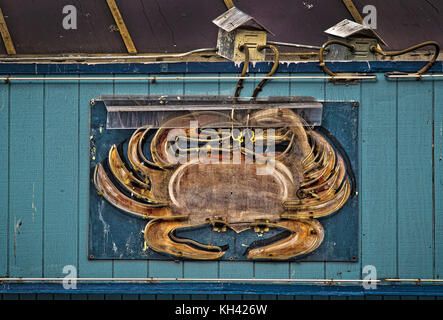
(301, 179)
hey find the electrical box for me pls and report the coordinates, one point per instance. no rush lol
(236, 29)
(228, 44)
(362, 49)
(358, 35)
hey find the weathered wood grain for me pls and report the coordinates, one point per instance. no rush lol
(438, 179)
(26, 179)
(4, 179)
(379, 176)
(61, 171)
(415, 216)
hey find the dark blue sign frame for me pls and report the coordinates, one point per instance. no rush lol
(114, 234)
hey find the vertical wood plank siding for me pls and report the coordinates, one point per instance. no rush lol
(4, 180)
(44, 181)
(26, 179)
(437, 135)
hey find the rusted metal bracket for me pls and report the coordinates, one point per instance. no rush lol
(353, 11)
(7, 40)
(122, 27)
(229, 4)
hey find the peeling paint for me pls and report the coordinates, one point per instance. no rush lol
(288, 63)
(128, 245)
(106, 227)
(34, 208)
(18, 226)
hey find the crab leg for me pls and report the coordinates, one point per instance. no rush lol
(326, 189)
(138, 188)
(319, 208)
(310, 157)
(133, 155)
(155, 176)
(325, 163)
(139, 142)
(159, 236)
(305, 237)
(159, 149)
(106, 188)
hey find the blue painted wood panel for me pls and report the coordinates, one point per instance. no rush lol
(414, 165)
(4, 179)
(60, 221)
(438, 178)
(26, 179)
(379, 183)
(42, 228)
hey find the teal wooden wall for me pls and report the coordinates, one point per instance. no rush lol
(44, 179)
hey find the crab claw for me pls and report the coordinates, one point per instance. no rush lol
(305, 237)
(159, 236)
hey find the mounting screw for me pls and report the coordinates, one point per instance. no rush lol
(91, 256)
(301, 194)
(356, 104)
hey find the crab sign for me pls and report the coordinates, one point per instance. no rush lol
(276, 172)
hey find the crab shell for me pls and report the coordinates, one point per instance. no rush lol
(304, 180)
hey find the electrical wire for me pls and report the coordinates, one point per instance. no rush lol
(322, 50)
(413, 48)
(58, 58)
(243, 73)
(273, 70)
(294, 45)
